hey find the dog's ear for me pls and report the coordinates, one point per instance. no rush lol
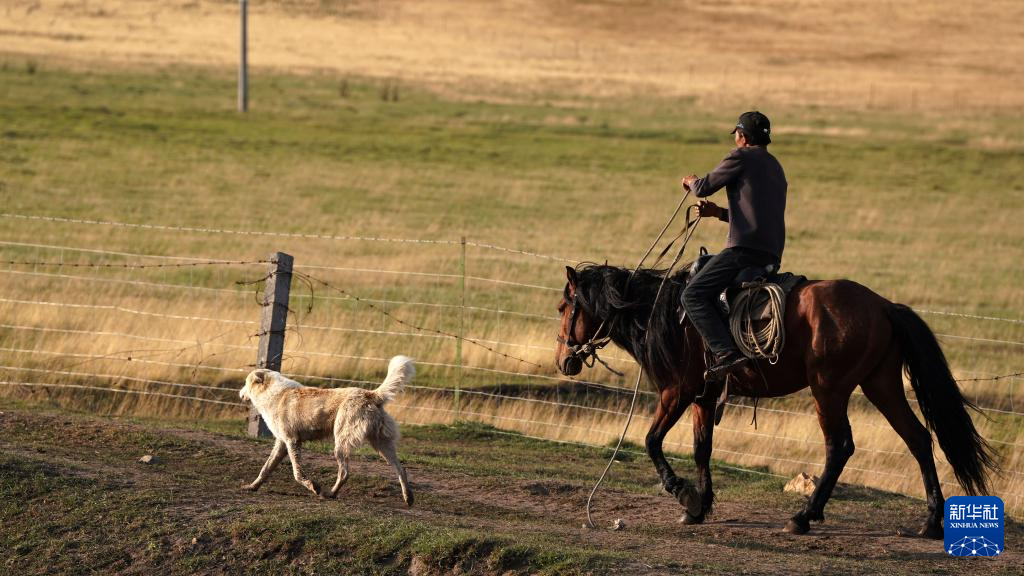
(258, 379)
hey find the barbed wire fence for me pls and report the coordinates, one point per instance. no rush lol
(90, 322)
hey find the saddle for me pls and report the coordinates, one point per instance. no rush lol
(749, 282)
(753, 306)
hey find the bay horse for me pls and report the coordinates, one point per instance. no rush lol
(839, 335)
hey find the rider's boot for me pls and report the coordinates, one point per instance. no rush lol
(725, 363)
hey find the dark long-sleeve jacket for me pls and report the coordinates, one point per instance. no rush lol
(756, 186)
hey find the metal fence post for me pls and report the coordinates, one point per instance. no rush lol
(462, 324)
(243, 59)
(272, 325)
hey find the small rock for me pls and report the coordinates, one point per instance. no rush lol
(802, 484)
(618, 524)
(149, 459)
(195, 541)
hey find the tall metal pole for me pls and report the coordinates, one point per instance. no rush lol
(243, 62)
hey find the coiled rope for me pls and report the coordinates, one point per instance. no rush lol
(764, 342)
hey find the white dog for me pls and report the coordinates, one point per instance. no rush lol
(295, 413)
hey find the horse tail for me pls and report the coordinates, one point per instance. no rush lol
(943, 406)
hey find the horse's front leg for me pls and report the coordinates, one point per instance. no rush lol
(703, 429)
(670, 408)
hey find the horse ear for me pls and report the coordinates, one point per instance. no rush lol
(570, 274)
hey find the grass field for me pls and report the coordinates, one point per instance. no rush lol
(166, 148)
(566, 140)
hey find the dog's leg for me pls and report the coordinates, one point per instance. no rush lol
(341, 455)
(293, 453)
(276, 455)
(387, 451)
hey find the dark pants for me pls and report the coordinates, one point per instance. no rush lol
(702, 292)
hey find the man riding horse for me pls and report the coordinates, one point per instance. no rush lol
(840, 336)
(756, 187)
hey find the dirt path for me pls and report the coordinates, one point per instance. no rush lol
(204, 470)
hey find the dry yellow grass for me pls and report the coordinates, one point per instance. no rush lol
(337, 339)
(948, 56)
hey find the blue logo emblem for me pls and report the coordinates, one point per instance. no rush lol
(974, 526)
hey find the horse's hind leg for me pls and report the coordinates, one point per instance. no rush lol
(670, 408)
(835, 424)
(884, 388)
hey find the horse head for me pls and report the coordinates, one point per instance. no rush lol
(578, 330)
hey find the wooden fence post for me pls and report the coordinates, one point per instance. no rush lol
(272, 325)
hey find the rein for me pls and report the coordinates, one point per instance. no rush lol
(587, 351)
(688, 230)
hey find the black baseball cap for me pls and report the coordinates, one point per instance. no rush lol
(756, 126)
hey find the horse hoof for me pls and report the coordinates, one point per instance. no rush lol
(795, 526)
(690, 520)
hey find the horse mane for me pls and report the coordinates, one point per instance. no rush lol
(627, 307)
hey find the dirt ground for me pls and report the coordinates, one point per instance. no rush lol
(202, 472)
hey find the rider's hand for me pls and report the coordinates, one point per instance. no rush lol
(708, 209)
(688, 181)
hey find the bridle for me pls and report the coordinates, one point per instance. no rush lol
(586, 352)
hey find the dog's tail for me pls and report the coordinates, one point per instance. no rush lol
(401, 370)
